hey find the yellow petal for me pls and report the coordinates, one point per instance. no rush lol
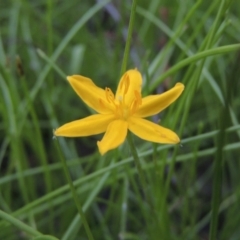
(91, 125)
(154, 104)
(92, 95)
(114, 136)
(130, 83)
(151, 132)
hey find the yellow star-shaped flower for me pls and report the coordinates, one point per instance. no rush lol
(116, 114)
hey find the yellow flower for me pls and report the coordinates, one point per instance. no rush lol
(116, 114)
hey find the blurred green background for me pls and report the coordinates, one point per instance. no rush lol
(42, 42)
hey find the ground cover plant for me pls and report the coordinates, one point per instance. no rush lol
(168, 165)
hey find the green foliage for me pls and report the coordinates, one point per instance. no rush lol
(191, 191)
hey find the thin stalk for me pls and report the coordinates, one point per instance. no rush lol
(217, 178)
(38, 138)
(218, 161)
(38, 135)
(20, 225)
(129, 37)
(50, 38)
(124, 206)
(74, 194)
(137, 162)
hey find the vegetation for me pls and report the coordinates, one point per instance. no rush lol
(175, 192)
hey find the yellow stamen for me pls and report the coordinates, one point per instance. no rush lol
(125, 83)
(109, 95)
(101, 103)
(137, 101)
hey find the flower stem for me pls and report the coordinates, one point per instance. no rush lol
(137, 162)
(129, 37)
(74, 194)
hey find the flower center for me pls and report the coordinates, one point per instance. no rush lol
(127, 102)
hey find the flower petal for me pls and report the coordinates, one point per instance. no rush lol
(151, 132)
(154, 104)
(92, 95)
(91, 125)
(130, 83)
(114, 136)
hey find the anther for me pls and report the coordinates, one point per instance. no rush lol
(109, 95)
(136, 102)
(101, 103)
(125, 83)
(138, 97)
